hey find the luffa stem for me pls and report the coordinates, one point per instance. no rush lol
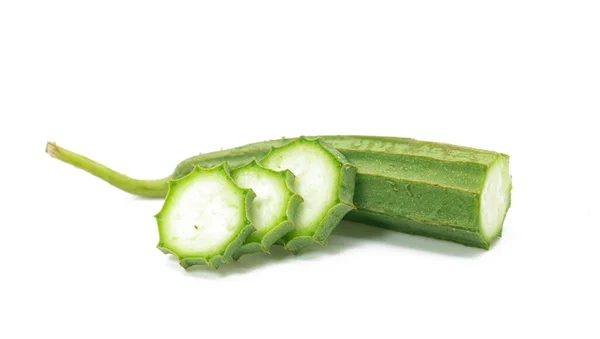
(145, 188)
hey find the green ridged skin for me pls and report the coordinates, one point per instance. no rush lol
(417, 187)
(273, 189)
(325, 181)
(192, 202)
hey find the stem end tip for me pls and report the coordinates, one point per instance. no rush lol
(52, 149)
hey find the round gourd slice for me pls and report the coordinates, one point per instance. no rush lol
(324, 179)
(205, 217)
(273, 208)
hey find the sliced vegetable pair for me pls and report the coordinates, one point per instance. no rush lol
(208, 219)
(212, 216)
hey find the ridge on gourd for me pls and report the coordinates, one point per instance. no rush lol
(205, 218)
(431, 189)
(325, 181)
(273, 208)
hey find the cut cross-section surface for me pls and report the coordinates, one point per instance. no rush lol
(205, 217)
(495, 199)
(325, 181)
(273, 208)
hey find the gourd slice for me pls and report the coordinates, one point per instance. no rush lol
(273, 208)
(325, 181)
(205, 217)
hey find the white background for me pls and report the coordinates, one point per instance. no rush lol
(141, 85)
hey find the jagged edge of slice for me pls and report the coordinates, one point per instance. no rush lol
(227, 255)
(281, 229)
(343, 205)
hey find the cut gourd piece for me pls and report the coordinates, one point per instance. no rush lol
(424, 188)
(324, 179)
(205, 217)
(273, 208)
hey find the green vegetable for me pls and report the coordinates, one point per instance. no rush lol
(437, 190)
(431, 189)
(205, 217)
(273, 209)
(325, 181)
